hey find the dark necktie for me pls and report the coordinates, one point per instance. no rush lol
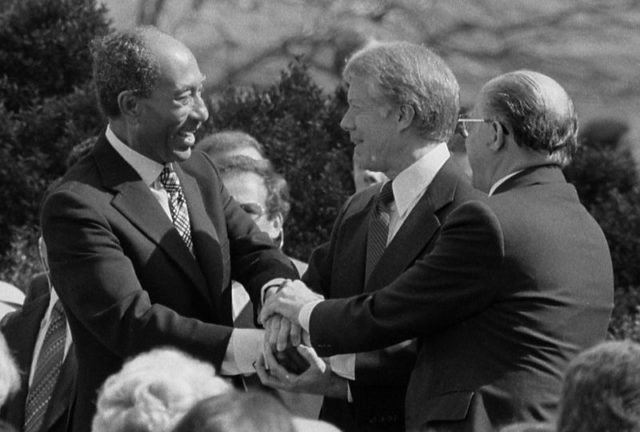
(47, 370)
(378, 228)
(177, 204)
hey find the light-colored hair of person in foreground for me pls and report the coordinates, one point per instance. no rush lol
(601, 390)
(233, 411)
(253, 411)
(9, 375)
(153, 391)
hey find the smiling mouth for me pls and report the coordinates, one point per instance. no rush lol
(189, 134)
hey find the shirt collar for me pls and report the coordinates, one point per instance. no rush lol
(147, 169)
(412, 182)
(497, 184)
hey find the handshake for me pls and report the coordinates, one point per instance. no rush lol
(288, 361)
(280, 318)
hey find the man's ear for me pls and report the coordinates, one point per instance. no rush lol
(276, 232)
(129, 104)
(405, 115)
(499, 137)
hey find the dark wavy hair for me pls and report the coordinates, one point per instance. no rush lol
(122, 61)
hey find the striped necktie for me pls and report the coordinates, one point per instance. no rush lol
(47, 370)
(378, 228)
(177, 204)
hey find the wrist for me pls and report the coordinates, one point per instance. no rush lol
(337, 387)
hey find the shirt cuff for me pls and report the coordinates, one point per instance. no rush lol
(245, 345)
(344, 365)
(304, 316)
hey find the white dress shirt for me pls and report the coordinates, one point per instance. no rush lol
(44, 326)
(408, 187)
(245, 345)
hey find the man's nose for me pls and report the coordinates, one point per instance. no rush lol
(200, 111)
(346, 123)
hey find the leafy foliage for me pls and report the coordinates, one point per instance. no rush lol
(46, 106)
(299, 127)
(608, 184)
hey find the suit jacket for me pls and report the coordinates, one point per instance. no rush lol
(21, 331)
(127, 280)
(516, 285)
(337, 270)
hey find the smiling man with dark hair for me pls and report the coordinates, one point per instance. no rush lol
(143, 237)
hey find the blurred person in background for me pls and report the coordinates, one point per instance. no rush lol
(601, 390)
(226, 144)
(262, 193)
(153, 391)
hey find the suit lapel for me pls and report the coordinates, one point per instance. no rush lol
(417, 230)
(133, 199)
(206, 242)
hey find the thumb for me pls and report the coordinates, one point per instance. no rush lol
(265, 314)
(310, 355)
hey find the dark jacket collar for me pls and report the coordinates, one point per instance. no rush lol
(537, 174)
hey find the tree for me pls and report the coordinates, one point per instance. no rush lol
(46, 106)
(299, 126)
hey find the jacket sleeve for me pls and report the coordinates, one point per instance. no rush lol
(446, 286)
(99, 286)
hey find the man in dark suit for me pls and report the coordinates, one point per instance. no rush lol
(143, 238)
(25, 331)
(516, 285)
(403, 107)
(22, 330)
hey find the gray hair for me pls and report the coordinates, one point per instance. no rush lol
(404, 73)
(221, 144)
(538, 110)
(153, 391)
(122, 61)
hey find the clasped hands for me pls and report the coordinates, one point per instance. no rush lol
(289, 362)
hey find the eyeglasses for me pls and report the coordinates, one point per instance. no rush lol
(253, 209)
(462, 125)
